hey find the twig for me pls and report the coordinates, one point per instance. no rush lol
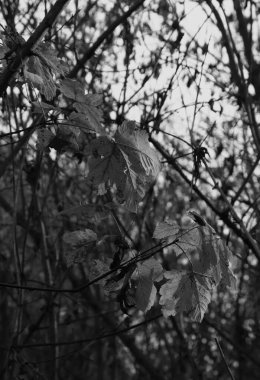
(25, 50)
(223, 216)
(90, 52)
(224, 360)
(253, 244)
(237, 195)
(87, 340)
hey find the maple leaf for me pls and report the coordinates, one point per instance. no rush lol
(73, 89)
(78, 241)
(127, 161)
(134, 143)
(44, 137)
(145, 293)
(88, 116)
(187, 238)
(147, 273)
(42, 107)
(98, 268)
(42, 66)
(224, 273)
(80, 238)
(166, 229)
(65, 139)
(202, 246)
(185, 292)
(11, 41)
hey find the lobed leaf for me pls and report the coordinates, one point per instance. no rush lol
(134, 143)
(148, 272)
(185, 292)
(166, 229)
(44, 137)
(72, 89)
(80, 238)
(209, 259)
(78, 242)
(41, 67)
(88, 116)
(120, 162)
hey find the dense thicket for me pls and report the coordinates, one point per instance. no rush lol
(118, 118)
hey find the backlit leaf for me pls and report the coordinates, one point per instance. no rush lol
(185, 292)
(202, 246)
(148, 272)
(42, 66)
(166, 229)
(134, 142)
(121, 162)
(88, 116)
(72, 89)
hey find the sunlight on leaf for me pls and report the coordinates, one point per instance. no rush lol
(166, 229)
(185, 292)
(147, 273)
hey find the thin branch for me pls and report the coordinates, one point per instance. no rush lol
(237, 195)
(87, 340)
(90, 52)
(26, 49)
(240, 232)
(224, 360)
(238, 220)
